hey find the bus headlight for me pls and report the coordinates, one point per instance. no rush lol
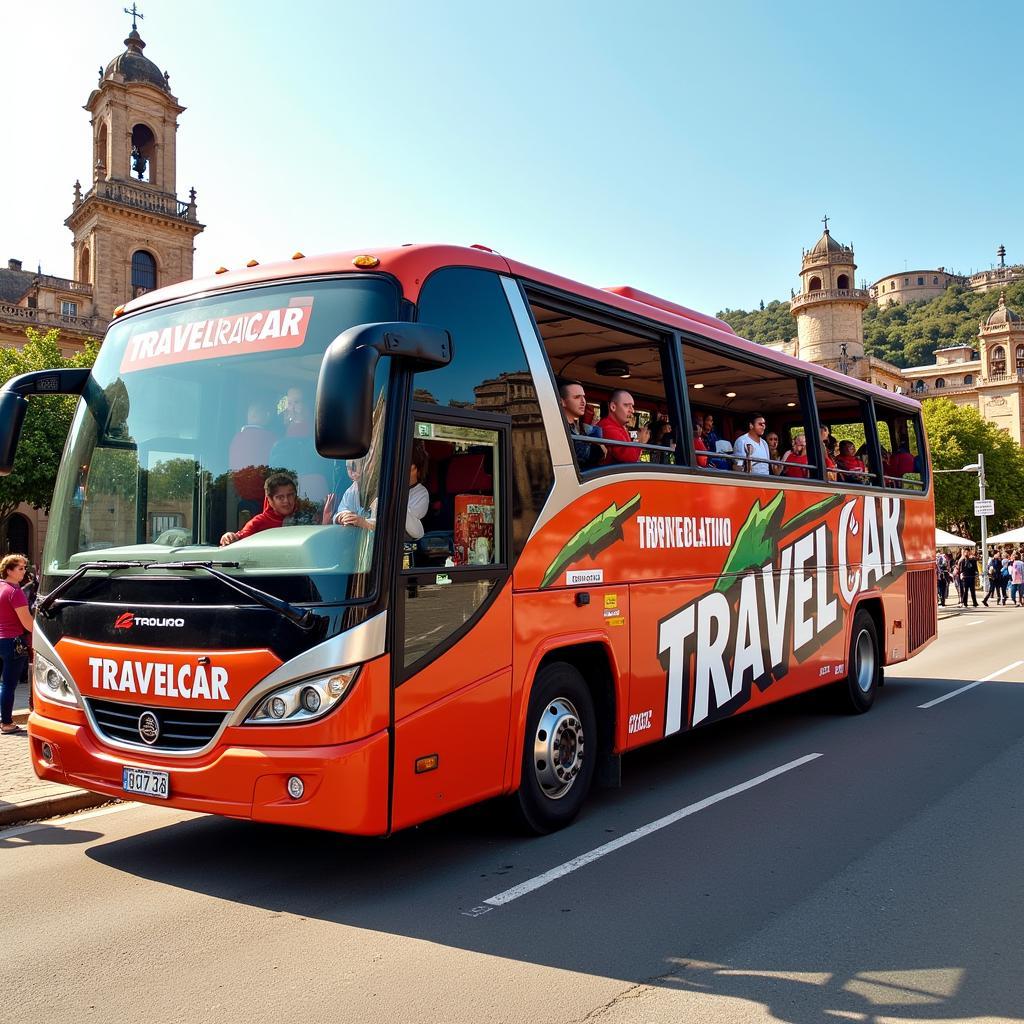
(303, 701)
(51, 683)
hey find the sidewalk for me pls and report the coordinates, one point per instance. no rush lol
(23, 797)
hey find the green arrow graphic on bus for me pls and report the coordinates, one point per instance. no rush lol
(758, 537)
(603, 530)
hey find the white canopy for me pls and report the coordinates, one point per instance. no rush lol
(1010, 537)
(951, 540)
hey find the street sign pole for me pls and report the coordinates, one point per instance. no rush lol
(984, 519)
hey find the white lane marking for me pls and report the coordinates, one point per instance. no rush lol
(971, 686)
(973, 622)
(645, 830)
(71, 819)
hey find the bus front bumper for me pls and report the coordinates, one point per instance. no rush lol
(344, 785)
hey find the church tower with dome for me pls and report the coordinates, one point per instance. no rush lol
(829, 309)
(131, 231)
(829, 313)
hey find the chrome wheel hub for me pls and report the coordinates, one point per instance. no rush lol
(864, 661)
(558, 748)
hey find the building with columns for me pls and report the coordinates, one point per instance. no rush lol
(130, 231)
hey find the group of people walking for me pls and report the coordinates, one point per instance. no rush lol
(1003, 577)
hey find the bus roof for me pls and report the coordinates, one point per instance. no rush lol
(412, 264)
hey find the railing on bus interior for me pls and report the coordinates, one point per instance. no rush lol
(922, 607)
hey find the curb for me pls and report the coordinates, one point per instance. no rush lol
(51, 806)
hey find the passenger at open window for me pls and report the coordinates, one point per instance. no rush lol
(574, 406)
(772, 440)
(796, 459)
(613, 428)
(698, 442)
(852, 469)
(828, 447)
(751, 449)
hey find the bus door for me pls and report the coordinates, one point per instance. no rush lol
(452, 663)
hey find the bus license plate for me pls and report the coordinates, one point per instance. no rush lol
(146, 782)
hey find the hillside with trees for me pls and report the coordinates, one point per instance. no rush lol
(906, 335)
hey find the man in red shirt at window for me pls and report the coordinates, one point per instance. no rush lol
(852, 469)
(613, 428)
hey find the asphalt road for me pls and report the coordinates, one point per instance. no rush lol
(882, 880)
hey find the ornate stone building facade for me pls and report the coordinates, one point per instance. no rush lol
(131, 232)
(989, 378)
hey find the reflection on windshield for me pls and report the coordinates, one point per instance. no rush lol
(174, 451)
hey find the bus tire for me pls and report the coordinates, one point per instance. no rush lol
(856, 693)
(559, 750)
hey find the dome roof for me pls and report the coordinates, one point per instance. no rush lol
(1002, 314)
(134, 67)
(827, 244)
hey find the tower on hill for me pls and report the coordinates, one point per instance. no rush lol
(829, 309)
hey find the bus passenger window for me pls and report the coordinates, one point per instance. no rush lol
(747, 412)
(901, 447)
(623, 398)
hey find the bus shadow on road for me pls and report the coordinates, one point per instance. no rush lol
(783, 898)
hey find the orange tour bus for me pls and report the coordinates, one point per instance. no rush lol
(351, 541)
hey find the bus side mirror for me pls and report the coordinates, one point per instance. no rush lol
(344, 390)
(14, 404)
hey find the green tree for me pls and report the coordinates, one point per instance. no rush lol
(956, 435)
(46, 423)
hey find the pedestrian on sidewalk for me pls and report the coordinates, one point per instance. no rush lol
(968, 577)
(942, 577)
(995, 567)
(1017, 580)
(15, 635)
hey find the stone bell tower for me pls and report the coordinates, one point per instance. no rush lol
(829, 310)
(131, 232)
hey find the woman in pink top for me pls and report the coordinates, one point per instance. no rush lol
(15, 619)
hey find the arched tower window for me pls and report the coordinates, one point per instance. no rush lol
(814, 285)
(998, 359)
(1020, 354)
(968, 378)
(100, 159)
(83, 266)
(919, 385)
(143, 272)
(940, 382)
(842, 281)
(143, 152)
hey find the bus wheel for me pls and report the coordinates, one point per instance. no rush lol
(560, 750)
(856, 693)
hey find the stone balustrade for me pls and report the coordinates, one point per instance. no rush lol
(46, 319)
(141, 199)
(829, 295)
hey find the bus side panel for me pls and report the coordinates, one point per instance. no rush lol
(698, 655)
(547, 622)
(456, 707)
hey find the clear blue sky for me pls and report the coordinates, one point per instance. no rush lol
(688, 149)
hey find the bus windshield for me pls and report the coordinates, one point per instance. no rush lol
(198, 414)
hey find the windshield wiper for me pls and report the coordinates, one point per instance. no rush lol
(304, 618)
(46, 603)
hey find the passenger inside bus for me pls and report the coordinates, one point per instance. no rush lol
(279, 505)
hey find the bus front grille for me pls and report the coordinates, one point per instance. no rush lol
(177, 729)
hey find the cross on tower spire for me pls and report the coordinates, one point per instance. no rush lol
(135, 13)
(824, 219)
